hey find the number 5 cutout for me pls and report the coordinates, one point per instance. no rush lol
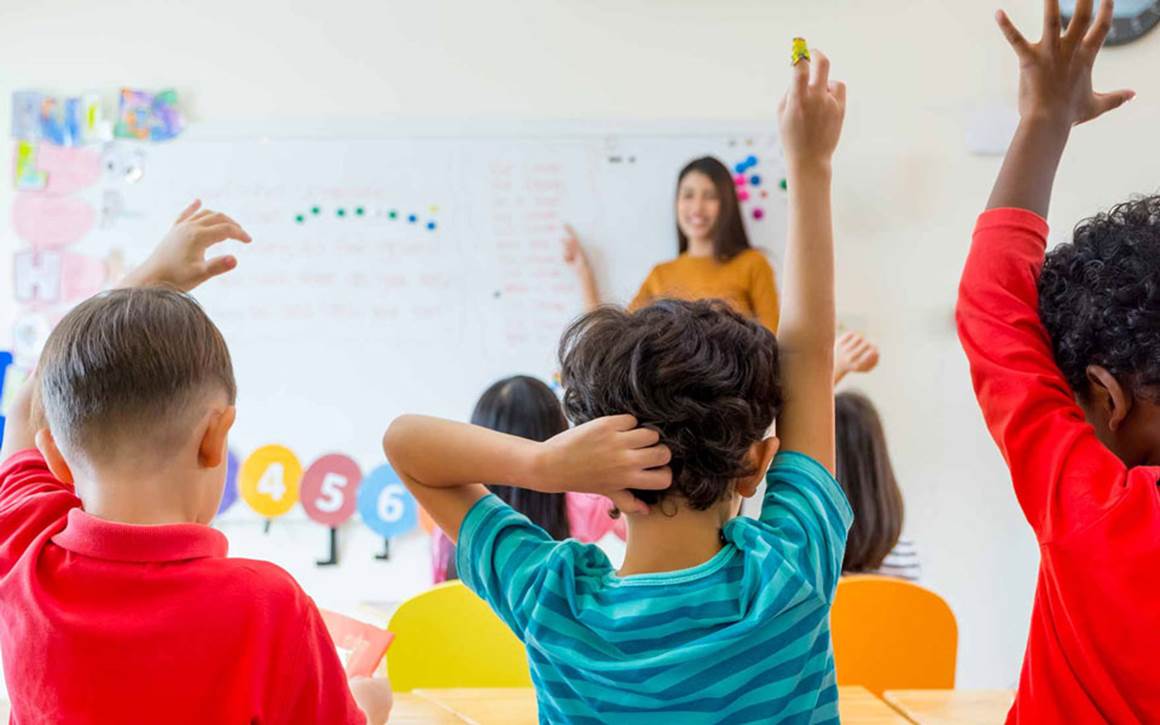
(329, 489)
(385, 505)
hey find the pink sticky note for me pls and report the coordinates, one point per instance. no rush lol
(740, 180)
(758, 213)
(743, 195)
(51, 222)
(69, 169)
(81, 276)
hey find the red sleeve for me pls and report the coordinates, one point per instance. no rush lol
(31, 500)
(1064, 477)
(311, 684)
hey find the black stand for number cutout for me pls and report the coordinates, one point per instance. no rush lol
(333, 559)
(386, 555)
(266, 526)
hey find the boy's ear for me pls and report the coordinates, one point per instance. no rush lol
(1112, 400)
(213, 448)
(57, 465)
(761, 453)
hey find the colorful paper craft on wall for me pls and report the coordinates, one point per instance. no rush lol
(147, 116)
(28, 176)
(5, 365)
(69, 121)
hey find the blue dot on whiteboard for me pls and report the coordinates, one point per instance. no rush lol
(431, 225)
(230, 492)
(755, 179)
(740, 167)
(385, 505)
(412, 218)
(751, 160)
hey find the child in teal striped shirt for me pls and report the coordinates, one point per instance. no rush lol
(712, 617)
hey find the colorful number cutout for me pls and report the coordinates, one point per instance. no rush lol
(269, 480)
(230, 492)
(386, 507)
(329, 489)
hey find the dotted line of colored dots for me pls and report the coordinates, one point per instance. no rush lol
(343, 212)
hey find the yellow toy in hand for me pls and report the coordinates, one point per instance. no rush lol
(800, 51)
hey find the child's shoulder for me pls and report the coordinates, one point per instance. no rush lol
(264, 583)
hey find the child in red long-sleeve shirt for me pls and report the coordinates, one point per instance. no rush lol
(1065, 360)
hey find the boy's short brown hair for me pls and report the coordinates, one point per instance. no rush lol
(701, 374)
(130, 365)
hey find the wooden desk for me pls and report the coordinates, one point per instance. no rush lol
(485, 706)
(859, 706)
(410, 709)
(952, 706)
(517, 706)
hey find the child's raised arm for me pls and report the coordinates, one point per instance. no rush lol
(177, 261)
(443, 463)
(810, 118)
(1055, 93)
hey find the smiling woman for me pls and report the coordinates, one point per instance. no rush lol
(715, 259)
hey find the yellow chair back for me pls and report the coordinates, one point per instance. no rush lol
(448, 637)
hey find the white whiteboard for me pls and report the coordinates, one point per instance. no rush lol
(339, 323)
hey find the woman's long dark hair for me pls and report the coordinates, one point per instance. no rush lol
(865, 473)
(524, 406)
(729, 237)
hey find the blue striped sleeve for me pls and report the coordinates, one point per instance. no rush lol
(807, 508)
(502, 557)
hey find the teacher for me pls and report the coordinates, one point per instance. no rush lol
(714, 256)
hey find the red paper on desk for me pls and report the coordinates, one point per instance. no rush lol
(360, 645)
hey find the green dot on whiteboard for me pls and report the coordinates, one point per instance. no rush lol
(300, 218)
(315, 210)
(341, 212)
(359, 211)
(394, 214)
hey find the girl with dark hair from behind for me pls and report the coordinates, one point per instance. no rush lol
(715, 258)
(874, 544)
(526, 407)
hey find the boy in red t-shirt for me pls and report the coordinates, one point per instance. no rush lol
(117, 601)
(1065, 360)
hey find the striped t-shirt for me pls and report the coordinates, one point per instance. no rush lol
(902, 562)
(743, 637)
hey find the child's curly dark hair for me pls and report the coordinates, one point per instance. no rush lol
(1099, 297)
(701, 374)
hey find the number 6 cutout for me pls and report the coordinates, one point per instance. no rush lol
(269, 480)
(385, 505)
(329, 489)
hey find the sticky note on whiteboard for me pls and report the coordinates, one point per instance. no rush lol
(990, 129)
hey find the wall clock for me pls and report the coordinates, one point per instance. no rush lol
(1131, 20)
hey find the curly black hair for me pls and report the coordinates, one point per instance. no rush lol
(701, 374)
(1099, 297)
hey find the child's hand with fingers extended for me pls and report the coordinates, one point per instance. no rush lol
(853, 353)
(179, 260)
(811, 113)
(606, 456)
(1055, 77)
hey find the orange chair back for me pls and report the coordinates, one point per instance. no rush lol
(891, 634)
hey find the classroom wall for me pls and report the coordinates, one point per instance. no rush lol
(906, 190)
